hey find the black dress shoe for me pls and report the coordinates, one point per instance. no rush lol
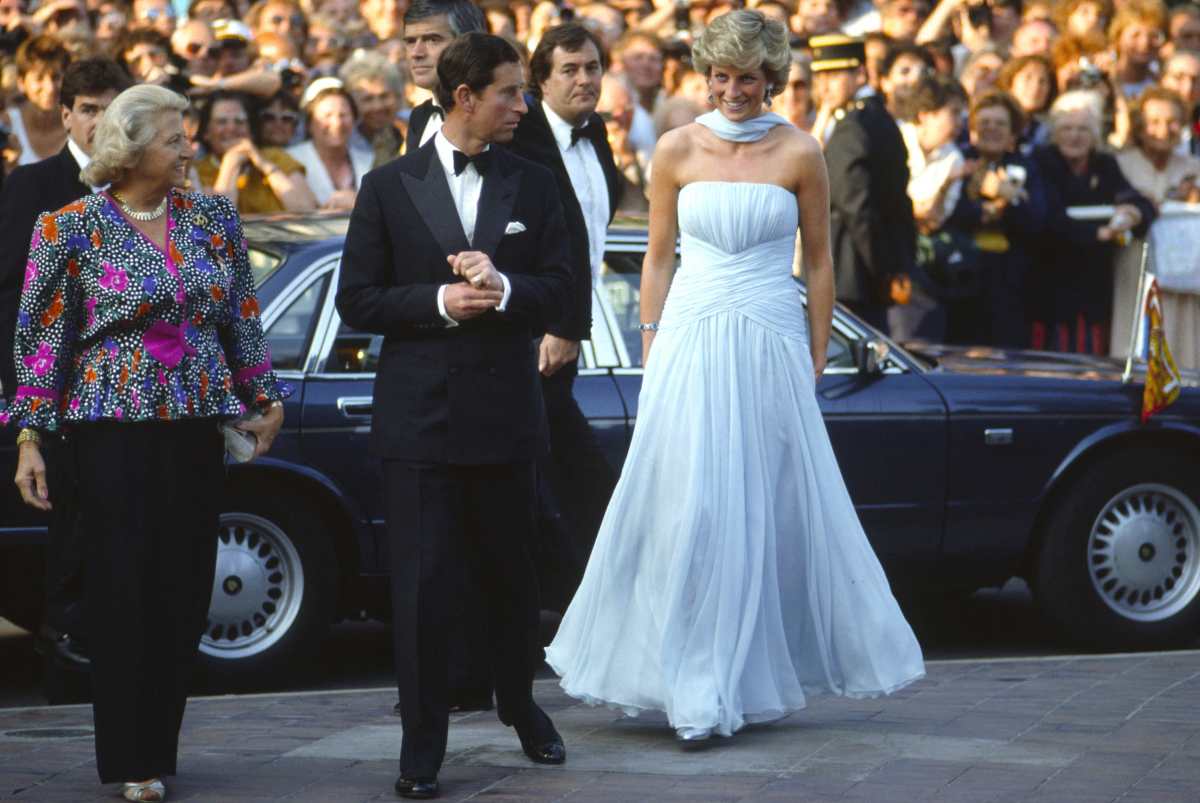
(417, 789)
(539, 739)
(62, 648)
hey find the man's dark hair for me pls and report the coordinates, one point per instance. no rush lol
(92, 77)
(471, 59)
(937, 92)
(139, 36)
(572, 38)
(463, 16)
(898, 49)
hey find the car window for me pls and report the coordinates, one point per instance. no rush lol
(290, 334)
(353, 352)
(263, 263)
(620, 281)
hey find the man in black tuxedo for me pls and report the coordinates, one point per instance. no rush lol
(88, 87)
(563, 132)
(429, 27)
(871, 223)
(465, 267)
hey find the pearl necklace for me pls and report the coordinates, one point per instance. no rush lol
(143, 217)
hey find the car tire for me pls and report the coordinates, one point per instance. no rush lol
(274, 591)
(1119, 563)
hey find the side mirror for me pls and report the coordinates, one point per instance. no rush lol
(869, 356)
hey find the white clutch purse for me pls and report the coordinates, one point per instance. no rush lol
(240, 445)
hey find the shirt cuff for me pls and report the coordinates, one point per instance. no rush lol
(503, 305)
(441, 302)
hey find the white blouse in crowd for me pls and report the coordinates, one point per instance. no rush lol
(929, 172)
(319, 180)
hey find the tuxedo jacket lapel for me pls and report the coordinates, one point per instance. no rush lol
(495, 203)
(611, 176)
(431, 196)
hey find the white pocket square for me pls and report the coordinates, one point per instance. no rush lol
(514, 227)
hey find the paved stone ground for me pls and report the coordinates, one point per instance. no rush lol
(1061, 730)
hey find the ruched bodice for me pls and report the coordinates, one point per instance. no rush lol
(737, 242)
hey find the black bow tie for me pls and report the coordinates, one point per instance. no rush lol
(588, 131)
(481, 160)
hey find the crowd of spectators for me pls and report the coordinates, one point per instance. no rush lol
(1011, 110)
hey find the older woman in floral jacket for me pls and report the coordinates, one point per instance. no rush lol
(137, 335)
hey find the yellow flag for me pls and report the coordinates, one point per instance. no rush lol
(1162, 377)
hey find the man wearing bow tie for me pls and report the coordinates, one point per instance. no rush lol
(563, 132)
(457, 254)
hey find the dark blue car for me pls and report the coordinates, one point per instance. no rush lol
(967, 466)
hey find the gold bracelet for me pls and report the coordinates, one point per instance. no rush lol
(28, 435)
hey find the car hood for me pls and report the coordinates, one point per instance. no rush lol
(987, 360)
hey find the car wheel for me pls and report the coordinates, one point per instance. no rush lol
(1119, 566)
(273, 592)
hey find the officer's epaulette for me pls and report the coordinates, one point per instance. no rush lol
(841, 113)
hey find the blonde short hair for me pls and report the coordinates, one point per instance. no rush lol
(748, 41)
(127, 129)
(1080, 100)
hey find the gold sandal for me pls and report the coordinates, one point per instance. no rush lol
(152, 791)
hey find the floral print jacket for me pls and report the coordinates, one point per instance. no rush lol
(112, 326)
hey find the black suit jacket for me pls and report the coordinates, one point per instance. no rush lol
(535, 140)
(470, 394)
(416, 125)
(31, 189)
(871, 219)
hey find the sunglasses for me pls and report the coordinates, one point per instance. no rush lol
(291, 118)
(230, 121)
(278, 19)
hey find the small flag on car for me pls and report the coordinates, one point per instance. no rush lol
(1162, 377)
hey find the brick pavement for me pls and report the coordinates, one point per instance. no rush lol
(1061, 730)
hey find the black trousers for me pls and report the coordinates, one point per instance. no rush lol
(442, 518)
(997, 316)
(576, 482)
(149, 502)
(573, 484)
(65, 546)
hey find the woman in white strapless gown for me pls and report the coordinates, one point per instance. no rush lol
(731, 577)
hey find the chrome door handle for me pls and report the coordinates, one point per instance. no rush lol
(1002, 436)
(355, 406)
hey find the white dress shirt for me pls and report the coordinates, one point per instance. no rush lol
(434, 124)
(81, 159)
(587, 179)
(465, 189)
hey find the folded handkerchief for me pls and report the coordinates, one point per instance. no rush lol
(514, 227)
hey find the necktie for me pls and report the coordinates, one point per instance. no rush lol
(588, 131)
(481, 160)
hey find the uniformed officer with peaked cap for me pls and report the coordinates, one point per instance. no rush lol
(871, 220)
